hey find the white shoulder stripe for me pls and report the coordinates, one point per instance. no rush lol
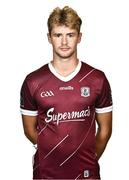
(87, 74)
(104, 110)
(28, 112)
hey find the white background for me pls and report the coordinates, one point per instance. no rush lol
(24, 48)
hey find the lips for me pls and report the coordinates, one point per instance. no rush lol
(64, 49)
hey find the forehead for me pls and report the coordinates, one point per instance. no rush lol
(63, 29)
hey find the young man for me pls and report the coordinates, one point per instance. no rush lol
(61, 103)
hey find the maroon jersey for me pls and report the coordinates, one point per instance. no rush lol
(65, 108)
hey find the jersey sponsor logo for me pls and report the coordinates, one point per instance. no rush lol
(86, 173)
(85, 91)
(66, 115)
(46, 94)
(66, 88)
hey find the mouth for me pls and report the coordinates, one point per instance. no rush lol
(64, 49)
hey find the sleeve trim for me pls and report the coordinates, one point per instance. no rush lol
(104, 110)
(28, 112)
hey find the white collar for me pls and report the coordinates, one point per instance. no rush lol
(66, 78)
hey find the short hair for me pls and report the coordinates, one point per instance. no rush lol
(65, 16)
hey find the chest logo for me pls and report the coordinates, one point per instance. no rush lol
(85, 91)
(46, 94)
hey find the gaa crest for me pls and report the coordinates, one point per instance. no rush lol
(85, 91)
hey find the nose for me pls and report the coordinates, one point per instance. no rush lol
(64, 40)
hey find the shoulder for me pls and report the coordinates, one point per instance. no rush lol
(37, 75)
(34, 79)
(93, 72)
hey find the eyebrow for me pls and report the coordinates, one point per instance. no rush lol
(71, 33)
(66, 33)
(56, 33)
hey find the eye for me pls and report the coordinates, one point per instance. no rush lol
(57, 35)
(70, 35)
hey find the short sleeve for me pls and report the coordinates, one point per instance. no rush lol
(104, 101)
(27, 103)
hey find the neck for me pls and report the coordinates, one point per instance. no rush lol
(65, 67)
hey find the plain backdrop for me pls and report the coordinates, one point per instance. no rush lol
(24, 48)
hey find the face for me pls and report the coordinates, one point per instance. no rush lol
(64, 41)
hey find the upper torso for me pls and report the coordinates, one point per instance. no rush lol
(65, 110)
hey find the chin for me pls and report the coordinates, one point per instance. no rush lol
(65, 56)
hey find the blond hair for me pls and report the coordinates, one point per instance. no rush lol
(65, 16)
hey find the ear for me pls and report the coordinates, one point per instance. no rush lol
(79, 37)
(49, 38)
